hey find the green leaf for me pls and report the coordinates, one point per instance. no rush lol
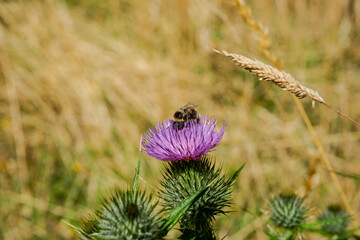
(324, 233)
(78, 230)
(349, 233)
(357, 237)
(136, 178)
(236, 174)
(271, 237)
(318, 231)
(309, 226)
(174, 216)
(353, 176)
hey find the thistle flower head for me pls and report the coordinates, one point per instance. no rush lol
(125, 215)
(287, 210)
(334, 212)
(166, 142)
(182, 179)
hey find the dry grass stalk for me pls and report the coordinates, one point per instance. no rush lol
(265, 45)
(264, 42)
(311, 172)
(268, 73)
(288, 83)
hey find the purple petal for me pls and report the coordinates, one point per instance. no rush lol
(194, 140)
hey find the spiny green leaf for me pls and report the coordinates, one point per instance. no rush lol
(311, 228)
(353, 176)
(78, 230)
(271, 237)
(318, 231)
(350, 233)
(308, 226)
(236, 174)
(174, 216)
(136, 178)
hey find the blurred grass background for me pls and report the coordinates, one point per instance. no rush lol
(81, 80)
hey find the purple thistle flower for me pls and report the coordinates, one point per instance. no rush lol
(166, 143)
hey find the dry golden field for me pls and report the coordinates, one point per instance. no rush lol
(81, 80)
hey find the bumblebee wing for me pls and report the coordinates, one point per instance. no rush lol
(190, 105)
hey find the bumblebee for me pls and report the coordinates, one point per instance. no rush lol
(185, 114)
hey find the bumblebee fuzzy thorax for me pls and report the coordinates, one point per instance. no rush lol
(185, 114)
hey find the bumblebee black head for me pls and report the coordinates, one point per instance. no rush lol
(178, 115)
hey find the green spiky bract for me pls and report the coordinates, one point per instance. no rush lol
(334, 212)
(182, 179)
(287, 211)
(125, 215)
